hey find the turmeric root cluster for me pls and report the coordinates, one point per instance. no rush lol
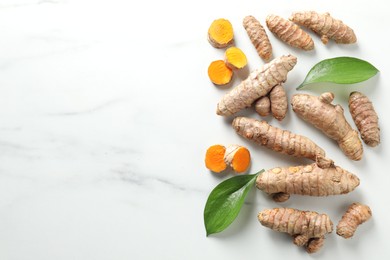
(219, 157)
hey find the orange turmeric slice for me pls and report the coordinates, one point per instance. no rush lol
(238, 158)
(220, 33)
(215, 158)
(218, 158)
(219, 72)
(235, 58)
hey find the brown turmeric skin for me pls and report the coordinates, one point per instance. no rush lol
(259, 83)
(322, 178)
(330, 120)
(258, 37)
(308, 228)
(289, 32)
(365, 118)
(356, 214)
(276, 139)
(325, 26)
(263, 106)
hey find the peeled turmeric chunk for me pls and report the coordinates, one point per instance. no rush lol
(356, 214)
(316, 179)
(219, 73)
(278, 98)
(365, 118)
(220, 34)
(289, 32)
(238, 158)
(308, 228)
(258, 37)
(218, 157)
(235, 58)
(263, 106)
(215, 158)
(325, 26)
(276, 139)
(259, 83)
(330, 120)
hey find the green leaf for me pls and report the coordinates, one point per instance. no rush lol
(340, 70)
(225, 201)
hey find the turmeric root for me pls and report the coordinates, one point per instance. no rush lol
(219, 73)
(276, 139)
(365, 118)
(308, 228)
(289, 32)
(218, 158)
(325, 26)
(278, 98)
(258, 84)
(355, 215)
(330, 120)
(220, 34)
(321, 178)
(235, 58)
(258, 37)
(263, 106)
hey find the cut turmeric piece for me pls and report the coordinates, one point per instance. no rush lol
(235, 156)
(220, 34)
(219, 72)
(235, 58)
(238, 158)
(215, 161)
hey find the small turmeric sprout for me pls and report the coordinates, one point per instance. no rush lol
(356, 214)
(259, 83)
(330, 119)
(308, 228)
(258, 37)
(220, 34)
(235, 58)
(289, 32)
(325, 26)
(279, 102)
(263, 106)
(219, 72)
(276, 139)
(365, 118)
(218, 157)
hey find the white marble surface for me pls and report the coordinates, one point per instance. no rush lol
(106, 112)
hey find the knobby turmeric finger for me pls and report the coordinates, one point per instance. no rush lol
(259, 83)
(235, 58)
(365, 118)
(318, 179)
(308, 228)
(355, 215)
(219, 73)
(220, 33)
(235, 156)
(330, 119)
(276, 139)
(258, 37)
(278, 99)
(326, 26)
(289, 32)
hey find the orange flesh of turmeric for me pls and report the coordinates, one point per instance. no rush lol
(220, 33)
(241, 160)
(215, 158)
(219, 73)
(235, 58)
